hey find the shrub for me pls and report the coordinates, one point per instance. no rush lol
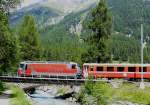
(1, 86)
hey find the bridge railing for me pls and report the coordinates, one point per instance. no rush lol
(9, 74)
(56, 76)
(49, 77)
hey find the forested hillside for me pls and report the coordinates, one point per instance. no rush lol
(125, 42)
(66, 39)
(62, 41)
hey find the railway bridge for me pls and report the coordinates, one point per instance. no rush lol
(28, 84)
(41, 80)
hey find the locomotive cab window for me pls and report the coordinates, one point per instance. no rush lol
(22, 66)
(110, 69)
(131, 69)
(99, 68)
(144, 69)
(120, 69)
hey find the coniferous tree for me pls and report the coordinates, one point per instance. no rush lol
(8, 45)
(101, 26)
(29, 40)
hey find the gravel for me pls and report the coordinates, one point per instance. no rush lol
(5, 97)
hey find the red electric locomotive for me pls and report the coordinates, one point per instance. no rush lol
(48, 68)
(97, 70)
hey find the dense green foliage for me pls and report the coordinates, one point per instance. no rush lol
(125, 42)
(60, 44)
(23, 46)
(8, 45)
(124, 48)
(101, 93)
(1, 87)
(100, 26)
(95, 93)
(29, 40)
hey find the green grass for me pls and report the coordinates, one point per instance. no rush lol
(18, 97)
(132, 93)
(61, 91)
(107, 94)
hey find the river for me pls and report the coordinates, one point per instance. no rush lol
(45, 98)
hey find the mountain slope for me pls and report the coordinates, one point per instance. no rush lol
(68, 6)
(64, 25)
(49, 12)
(41, 14)
(71, 26)
(124, 45)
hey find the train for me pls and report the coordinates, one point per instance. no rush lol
(49, 69)
(126, 70)
(94, 70)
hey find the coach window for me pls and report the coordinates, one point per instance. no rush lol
(144, 69)
(99, 68)
(110, 69)
(92, 68)
(73, 66)
(131, 69)
(120, 69)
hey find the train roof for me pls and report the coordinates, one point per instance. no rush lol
(46, 62)
(115, 64)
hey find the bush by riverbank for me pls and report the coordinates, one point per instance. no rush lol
(18, 97)
(1, 87)
(101, 93)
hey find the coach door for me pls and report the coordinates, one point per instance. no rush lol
(85, 71)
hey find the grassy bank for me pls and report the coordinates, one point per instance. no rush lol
(104, 93)
(132, 93)
(18, 97)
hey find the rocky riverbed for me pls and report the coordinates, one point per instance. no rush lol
(55, 95)
(65, 95)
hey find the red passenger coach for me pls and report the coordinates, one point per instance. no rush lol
(48, 68)
(115, 70)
